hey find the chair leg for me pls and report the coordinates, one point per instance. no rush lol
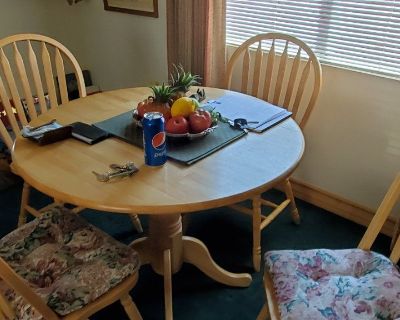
(168, 285)
(130, 308)
(289, 195)
(26, 190)
(256, 233)
(136, 222)
(264, 313)
(396, 233)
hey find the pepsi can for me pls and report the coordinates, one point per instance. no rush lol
(155, 147)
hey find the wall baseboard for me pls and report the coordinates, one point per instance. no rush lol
(338, 205)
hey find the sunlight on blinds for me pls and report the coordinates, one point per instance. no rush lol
(356, 34)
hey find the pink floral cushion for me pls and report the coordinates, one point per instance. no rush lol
(67, 262)
(334, 284)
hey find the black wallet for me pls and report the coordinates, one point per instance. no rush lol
(55, 135)
(47, 133)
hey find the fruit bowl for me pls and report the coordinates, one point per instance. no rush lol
(136, 120)
(190, 136)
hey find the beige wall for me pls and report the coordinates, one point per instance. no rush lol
(121, 50)
(18, 16)
(353, 137)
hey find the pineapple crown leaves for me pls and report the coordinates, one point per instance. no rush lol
(162, 93)
(182, 80)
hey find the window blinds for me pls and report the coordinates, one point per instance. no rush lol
(356, 34)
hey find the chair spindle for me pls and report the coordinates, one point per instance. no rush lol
(280, 75)
(292, 79)
(10, 115)
(36, 78)
(28, 96)
(61, 77)
(13, 87)
(245, 72)
(48, 71)
(302, 84)
(257, 70)
(269, 70)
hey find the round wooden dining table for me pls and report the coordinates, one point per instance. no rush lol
(240, 170)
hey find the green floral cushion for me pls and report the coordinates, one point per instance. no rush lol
(67, 262)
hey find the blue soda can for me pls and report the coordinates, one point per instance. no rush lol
(155, 147)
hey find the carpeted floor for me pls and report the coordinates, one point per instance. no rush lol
(228, 237)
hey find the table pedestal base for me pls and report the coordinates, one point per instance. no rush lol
(165, 249)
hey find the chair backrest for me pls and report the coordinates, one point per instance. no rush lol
(389, 201)
(280, 69)
(19, 84)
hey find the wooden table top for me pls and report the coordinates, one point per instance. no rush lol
(63, 170)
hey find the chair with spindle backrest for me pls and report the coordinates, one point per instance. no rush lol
(58, 266)
(290, 79)
(336, 284)
(45, 60)
(26, 72)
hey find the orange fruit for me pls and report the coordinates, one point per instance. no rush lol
(183, 107)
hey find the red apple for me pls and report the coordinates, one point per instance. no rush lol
(177, 124)
(199, 120)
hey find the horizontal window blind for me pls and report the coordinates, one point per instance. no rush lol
(357, 34)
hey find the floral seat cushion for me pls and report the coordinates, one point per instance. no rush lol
(67, 262)
(334, 284)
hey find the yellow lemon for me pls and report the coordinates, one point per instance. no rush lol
(183, 107)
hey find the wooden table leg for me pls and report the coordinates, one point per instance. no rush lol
(165, 249)
(141, 247)
(396, 233)
(165, 233)
(196, 253)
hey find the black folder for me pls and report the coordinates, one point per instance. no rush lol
(87, 133)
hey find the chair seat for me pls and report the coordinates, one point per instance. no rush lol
(334, 284)
(67, 262)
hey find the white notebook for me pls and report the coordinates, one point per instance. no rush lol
(234, 105)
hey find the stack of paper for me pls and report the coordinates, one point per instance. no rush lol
(234, 105)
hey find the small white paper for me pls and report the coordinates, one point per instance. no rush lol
(27, 131)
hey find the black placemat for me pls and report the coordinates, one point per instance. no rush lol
(182, 150)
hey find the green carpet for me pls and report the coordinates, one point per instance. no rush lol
(228, 236)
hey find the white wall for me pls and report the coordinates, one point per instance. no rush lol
(121, 50)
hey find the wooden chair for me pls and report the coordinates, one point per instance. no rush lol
(67, 269)
(284, 71)
(341, 284)
(25, 76)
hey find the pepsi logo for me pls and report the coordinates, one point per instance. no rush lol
(158, 141)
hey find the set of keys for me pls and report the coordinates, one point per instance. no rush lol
(117, 171)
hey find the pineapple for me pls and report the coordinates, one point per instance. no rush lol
(158, 102)
(181, 81)
(162, 93)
